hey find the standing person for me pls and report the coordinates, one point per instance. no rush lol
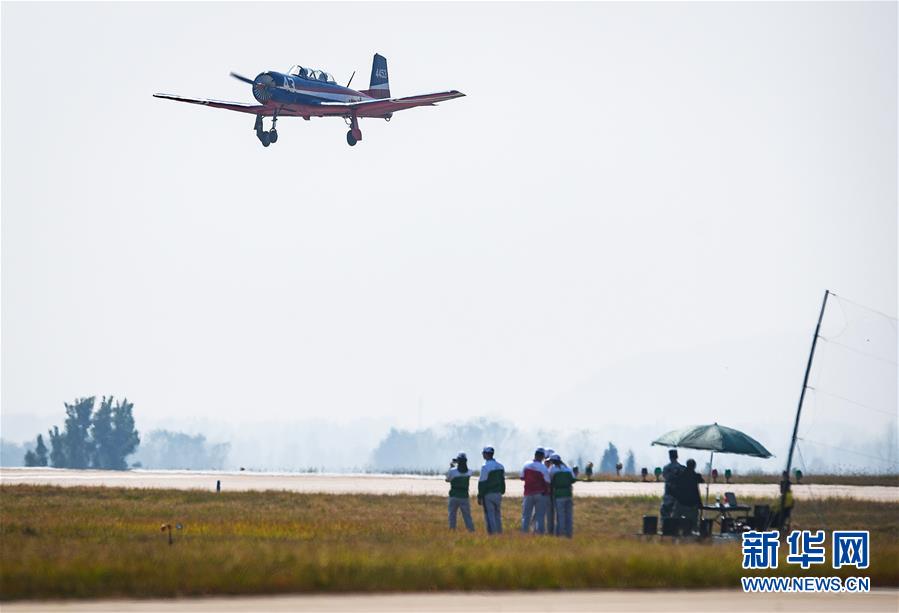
(536, 493)
(589, 471)
(551, 503)
(669, 474)
(686, 494)
(491, 487)
(562, 478)
(779, 517)
(458, 476)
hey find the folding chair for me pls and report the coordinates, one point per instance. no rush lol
(761, 515)
(780, 520)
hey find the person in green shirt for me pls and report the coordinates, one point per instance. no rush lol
(491, 487)
(561, 480)
(457, 476)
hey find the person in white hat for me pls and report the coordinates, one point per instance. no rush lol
(551, 502)
(458, 476)
(536, 493)
(561, 480)
(491, 487)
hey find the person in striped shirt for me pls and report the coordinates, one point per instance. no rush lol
(536, 493)
(458, 476)
(491, 487)
(561, 480)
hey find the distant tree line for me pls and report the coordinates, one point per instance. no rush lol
(180, 451)
(429, 449)
(101, 438)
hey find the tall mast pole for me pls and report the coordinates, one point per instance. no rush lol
(808, 370)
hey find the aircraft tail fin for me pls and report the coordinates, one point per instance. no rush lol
(379, 86)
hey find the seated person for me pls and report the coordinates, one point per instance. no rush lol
(778, 516)
(686, 494)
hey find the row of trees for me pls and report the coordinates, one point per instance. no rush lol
(610, 461)
(101, 438)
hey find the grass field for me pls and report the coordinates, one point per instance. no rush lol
(105, 542)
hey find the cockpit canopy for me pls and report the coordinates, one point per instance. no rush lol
(311, 74)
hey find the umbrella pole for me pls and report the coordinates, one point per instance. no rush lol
(709, 480)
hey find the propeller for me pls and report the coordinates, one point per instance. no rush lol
(348, 82)
(262, 85)
(242, 78)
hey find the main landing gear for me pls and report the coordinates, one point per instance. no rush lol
(270, 137)
(355, 134)
(266, 138)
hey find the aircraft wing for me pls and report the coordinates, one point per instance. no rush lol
(289, 110)
(378, 108)
(366, 108)
(255, 109)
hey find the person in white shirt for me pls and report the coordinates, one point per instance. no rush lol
(551, 503)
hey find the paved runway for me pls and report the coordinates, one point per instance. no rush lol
(390, 484)
(594, 600)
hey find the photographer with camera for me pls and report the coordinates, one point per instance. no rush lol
(458, 476)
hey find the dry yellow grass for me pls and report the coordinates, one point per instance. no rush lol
(104, 542)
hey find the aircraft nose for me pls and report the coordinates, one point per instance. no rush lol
(263, 87)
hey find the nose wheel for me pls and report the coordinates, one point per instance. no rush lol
(266, 138)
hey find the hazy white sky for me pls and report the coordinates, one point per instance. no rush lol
(629, 197)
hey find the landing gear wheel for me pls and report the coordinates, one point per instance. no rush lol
(273, 136)
(264, 139)
(350, 139)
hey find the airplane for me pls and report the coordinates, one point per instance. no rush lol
(304, 92)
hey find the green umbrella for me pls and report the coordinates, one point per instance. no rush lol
(714, 438)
